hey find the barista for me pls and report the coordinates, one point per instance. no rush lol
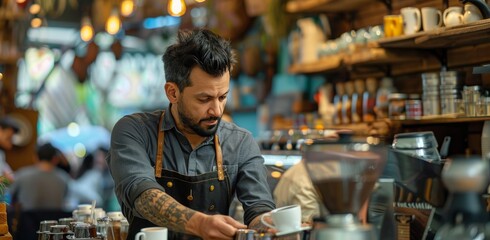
(180, 167)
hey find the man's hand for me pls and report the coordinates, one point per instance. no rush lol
(213, 226)
(259, 226)
(163, 210)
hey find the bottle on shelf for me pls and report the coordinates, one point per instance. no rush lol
(485, 140)
(337, 102)
(326, 109)
(382, 103)
(347, 102)
(369, 100)
(357, 98)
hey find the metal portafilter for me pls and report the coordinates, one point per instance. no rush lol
(245, 234)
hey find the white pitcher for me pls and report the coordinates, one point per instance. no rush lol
(453, 16)
(311, 37)
(471, 13)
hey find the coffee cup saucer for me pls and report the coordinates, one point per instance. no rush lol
(278, 234)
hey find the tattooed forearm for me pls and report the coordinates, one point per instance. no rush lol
(161, 209)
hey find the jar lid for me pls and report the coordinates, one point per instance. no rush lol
(397, 96)
(414, 96)
(473, 88)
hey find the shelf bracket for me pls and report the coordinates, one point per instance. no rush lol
(388, 5)
(445, 4)
(441, 55)
(350, 17)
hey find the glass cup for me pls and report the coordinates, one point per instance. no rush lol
(393, 25)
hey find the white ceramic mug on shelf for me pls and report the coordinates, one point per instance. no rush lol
(284, 219)
(152, 233)
(431, 18)
(412, 20)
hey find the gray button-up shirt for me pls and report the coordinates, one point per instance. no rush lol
(133, 150)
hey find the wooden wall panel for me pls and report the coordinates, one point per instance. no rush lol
(24, 155)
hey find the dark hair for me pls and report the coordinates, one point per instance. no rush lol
(200, 47)
(46, 152)
(87, 164)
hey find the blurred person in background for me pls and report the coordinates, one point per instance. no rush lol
(39, 192)
(109, 199)
(8, 127)
(42, 185)
(93, 182)
(87, 186)
(63, 163)
(295, 186)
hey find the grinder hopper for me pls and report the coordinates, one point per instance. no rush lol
(344, 174)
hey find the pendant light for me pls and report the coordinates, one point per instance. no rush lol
(36, 22)
(113, 24)
(35, 9)
(176, 8)
(87, 30)
(127, 7)
(200, 1)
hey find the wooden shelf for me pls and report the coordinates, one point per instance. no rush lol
(445, 37)
(298, 6)
(360, 56)
(9, 15)
(463, 40)
(439, 120)
(378, 56)
(325, 64)
(458, 36)
(9, 59)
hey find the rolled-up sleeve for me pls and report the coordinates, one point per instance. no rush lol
(252, 190)
(130, 162)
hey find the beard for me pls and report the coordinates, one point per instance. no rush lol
(187, 122)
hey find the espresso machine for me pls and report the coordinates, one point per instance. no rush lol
(344, 174)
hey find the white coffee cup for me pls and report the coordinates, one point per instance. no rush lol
(284, 219)
(152, 233)
(412, 20)
(431, 18)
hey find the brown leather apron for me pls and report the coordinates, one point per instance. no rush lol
(209, 193)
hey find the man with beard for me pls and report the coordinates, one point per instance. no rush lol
(180, 168)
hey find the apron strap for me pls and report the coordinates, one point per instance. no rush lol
(219, 158)
(159, 161)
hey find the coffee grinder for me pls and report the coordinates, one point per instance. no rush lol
(465, 215)
(344, 174)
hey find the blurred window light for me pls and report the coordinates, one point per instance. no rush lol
(73, 129)
(160, 22)
(51, 35)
